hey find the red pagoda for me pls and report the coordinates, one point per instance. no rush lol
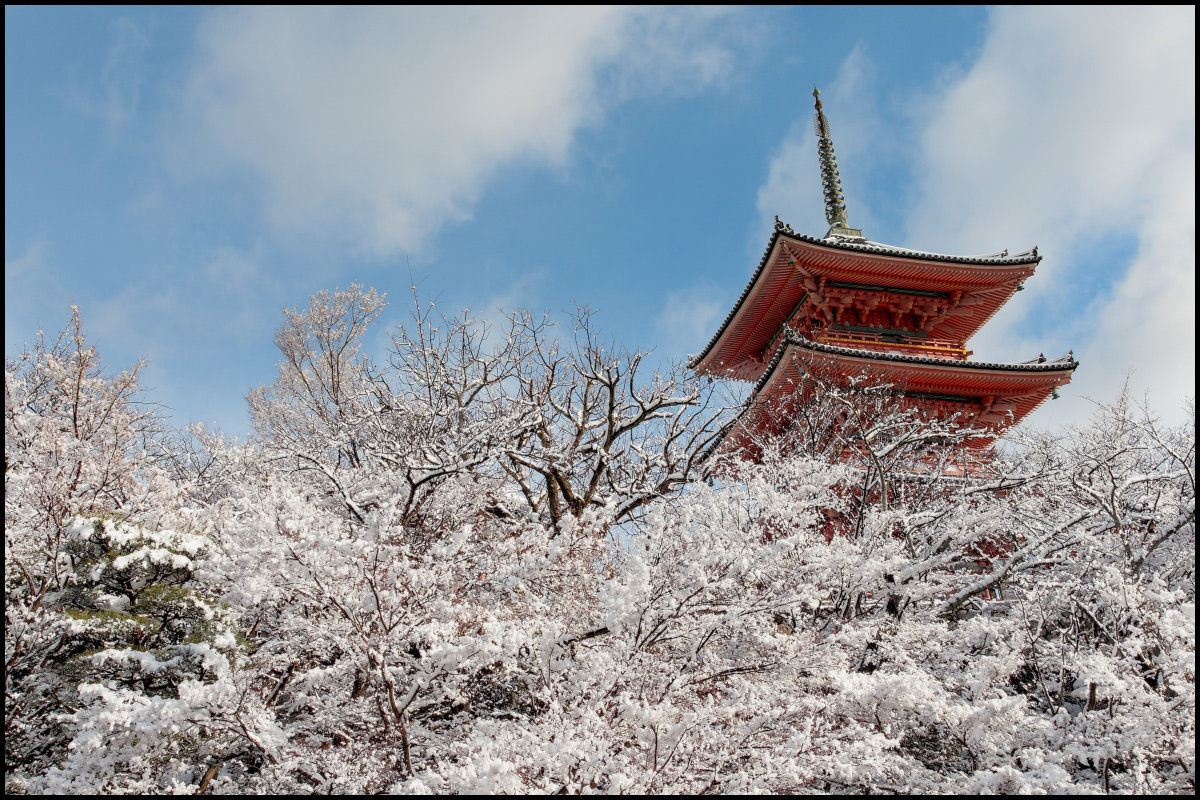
(845, 306)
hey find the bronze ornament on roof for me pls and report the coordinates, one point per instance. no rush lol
(831, 182)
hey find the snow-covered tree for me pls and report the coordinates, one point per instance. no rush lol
(563, 425)
(118, 650)
(488, 565)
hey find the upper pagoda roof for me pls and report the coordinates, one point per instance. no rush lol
(778, 286)
(1002, 257)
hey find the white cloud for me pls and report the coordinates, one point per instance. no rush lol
(1075, 128)
(27, 276)
(688, 319)
(377, 126)
(32, 260)
(1058, 125)
(793, 188)
(1148, 324)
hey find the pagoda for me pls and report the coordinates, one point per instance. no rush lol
(842, 305)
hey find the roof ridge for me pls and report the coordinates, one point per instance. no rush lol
(855, 243)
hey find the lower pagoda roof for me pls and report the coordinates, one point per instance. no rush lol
(991, 394)
(924, 370)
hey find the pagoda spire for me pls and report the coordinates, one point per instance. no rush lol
(831, 182)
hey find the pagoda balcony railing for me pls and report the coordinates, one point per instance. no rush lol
(885, 341)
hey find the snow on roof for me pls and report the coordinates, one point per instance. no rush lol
(867, 246)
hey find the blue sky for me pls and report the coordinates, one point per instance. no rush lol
(183, 174)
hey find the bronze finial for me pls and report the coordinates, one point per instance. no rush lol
(822, 125)
(831, 182)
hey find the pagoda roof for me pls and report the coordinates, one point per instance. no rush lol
(777, 287)
(1015, 388)
(974, 372)
(1018, 387)
(1002, 257)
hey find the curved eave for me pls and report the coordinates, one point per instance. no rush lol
(1051, 373)
(1021, 387)
(1024, 386)
(774, 290)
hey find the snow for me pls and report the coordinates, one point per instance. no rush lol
(377, 593)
